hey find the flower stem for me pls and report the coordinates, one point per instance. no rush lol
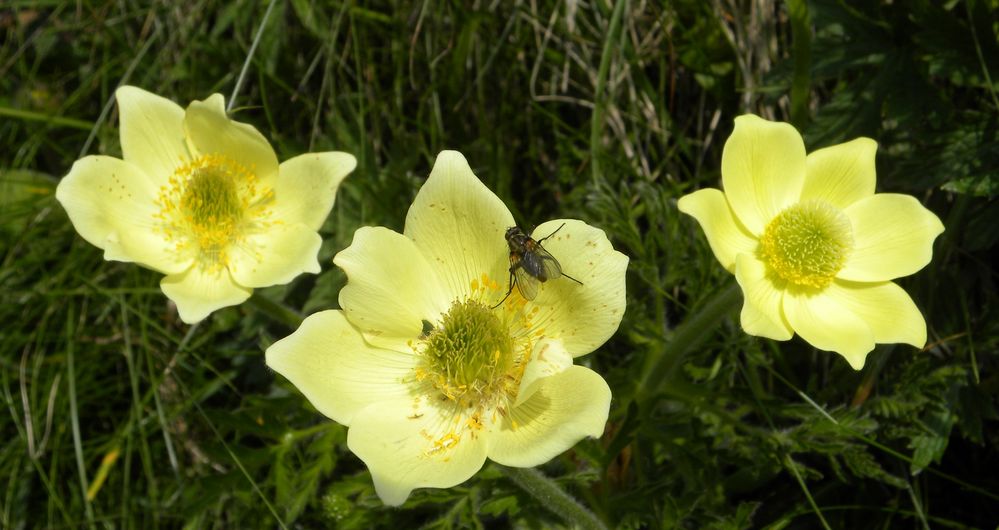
(276, 311)
(875, 362)
(690, 334)
(551, 496)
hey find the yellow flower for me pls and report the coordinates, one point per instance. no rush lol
(202, 199)
(812, 246)
(430, 372)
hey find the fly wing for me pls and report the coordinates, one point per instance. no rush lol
(549, 267)
(526, 284)
(540, 264)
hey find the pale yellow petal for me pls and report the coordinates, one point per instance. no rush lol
(197, 293)
(727, 237)
(893, 237)
(548, 358)
(152, 132)
(406, 448)
(275, 256)
(307, 185)
(329, 362)
(763, 170)
(826, 323)
(885, 307)
(762, 308)
(755, 322)
(582, 316)
(391, 289)
(111, 203)
(211, 132)
(841, 174)
(458, 225)
(566, 408)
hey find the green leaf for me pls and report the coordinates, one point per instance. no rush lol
(929, 447)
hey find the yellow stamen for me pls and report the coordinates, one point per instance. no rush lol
(473, 361)
(210, 204)
(807, 244)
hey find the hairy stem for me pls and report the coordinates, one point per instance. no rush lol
(687, 336)
(551, 496)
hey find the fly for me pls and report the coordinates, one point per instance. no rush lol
(530, 264)
(428, 328)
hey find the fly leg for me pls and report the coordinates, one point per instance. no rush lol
(551, 234)
(512, 282)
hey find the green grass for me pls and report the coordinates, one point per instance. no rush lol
(606, 113)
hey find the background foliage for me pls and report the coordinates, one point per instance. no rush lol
(118, 415)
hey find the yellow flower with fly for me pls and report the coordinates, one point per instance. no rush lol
(431, 374)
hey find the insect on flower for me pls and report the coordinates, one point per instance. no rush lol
(530, 264)
(428, 328)
(435, 383)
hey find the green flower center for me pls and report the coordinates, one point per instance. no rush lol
(208, 206)
(468, 355)
(807, 244)
(211, 200)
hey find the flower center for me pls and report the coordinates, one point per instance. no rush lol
(807, 244)
(210, 204)
(468, 355)
(211, 201)
(472, 363)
